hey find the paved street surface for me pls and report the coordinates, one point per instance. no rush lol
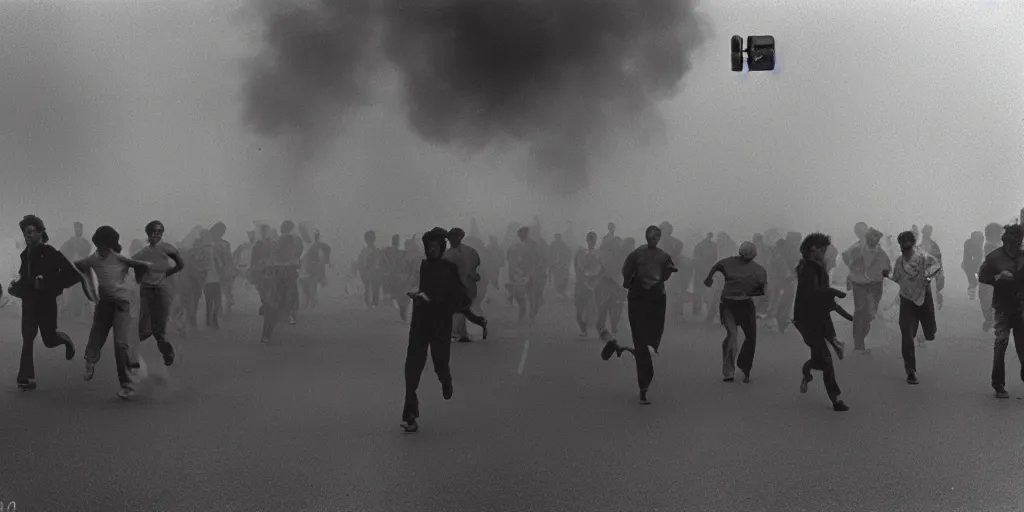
(310, 423)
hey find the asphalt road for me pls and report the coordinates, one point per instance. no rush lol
(310, 423)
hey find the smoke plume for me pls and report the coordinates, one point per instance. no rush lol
(559, 76)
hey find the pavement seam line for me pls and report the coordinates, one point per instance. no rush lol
(522, 359)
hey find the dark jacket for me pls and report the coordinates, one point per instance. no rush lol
(57, 272)
(815, 300)
(439, 280)
(1008, 294)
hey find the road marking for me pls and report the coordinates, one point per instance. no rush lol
(522, 360)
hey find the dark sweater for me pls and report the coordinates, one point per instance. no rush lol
(815, 300)
(1008, 294)
(440, 282)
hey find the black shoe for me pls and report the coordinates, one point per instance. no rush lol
(643, 397)
(169, 358)
(610, 348)
(27, 385)
(465, 339)
(839, 406)
(746, 378)
(728, 379)
(484, 327)
(1002, 394)
(806, 379)
(69, 350)
(410, 426)
(447, 390)
(912, 378)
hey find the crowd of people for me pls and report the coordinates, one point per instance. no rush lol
(446, 276)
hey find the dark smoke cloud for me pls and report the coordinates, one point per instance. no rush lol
(558, 75)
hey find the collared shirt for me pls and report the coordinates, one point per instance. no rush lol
(914, 274)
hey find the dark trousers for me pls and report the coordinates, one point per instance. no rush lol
(372, 285)
(913, 316)
(821, 359)
(1007, 322)
(38, 315)
(154, 310)
(866, 298)
(646, 310)
(116, 315)
(561, 279)
(608, 297)
(736, 315)
(212, 292)
(583, 299)
(430, 331)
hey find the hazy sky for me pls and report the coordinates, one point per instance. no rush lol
(889, 111)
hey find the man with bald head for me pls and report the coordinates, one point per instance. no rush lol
(745, 280)
(867, 262)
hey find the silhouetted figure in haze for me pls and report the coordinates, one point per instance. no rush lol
(1003, 271)
(227, 273)
(393, 265)
(589, 271)
(287, 257)
(560, 258)
(930, 246)
(609, 294)
(526, 275)
(370, 270)
(705, 255)
(973, 257)
(674, 248)
(76, 248)
(993, 241)
(315, 263)
(492, 260)
(610, 237)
